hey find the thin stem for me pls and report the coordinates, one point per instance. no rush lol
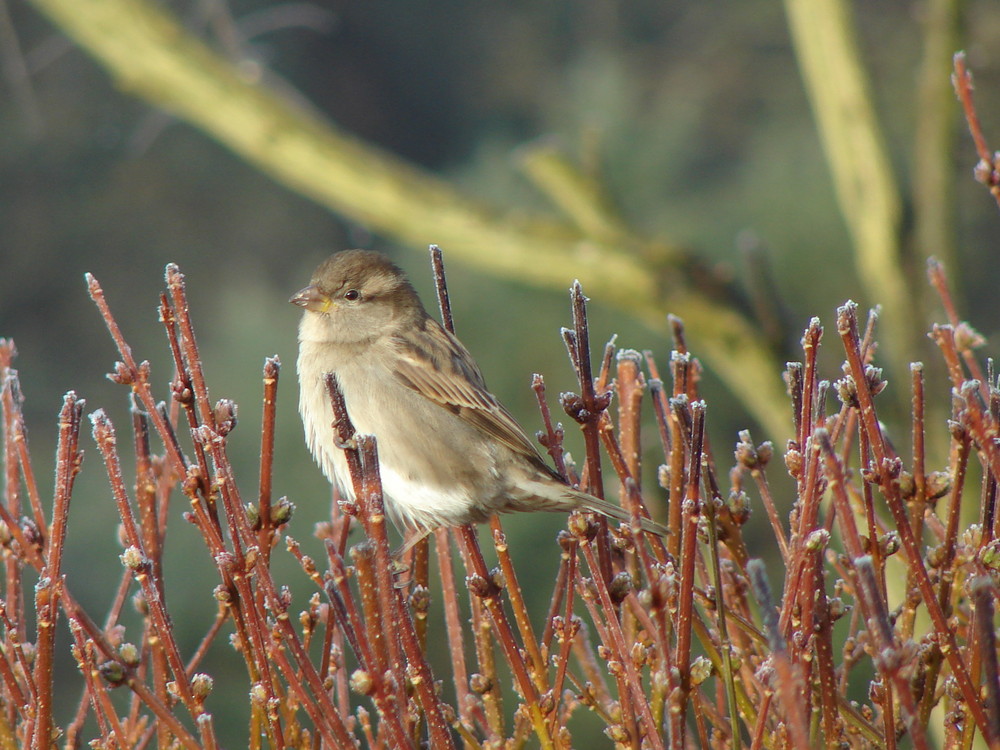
(847, 327)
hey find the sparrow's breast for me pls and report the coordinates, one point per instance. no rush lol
(436, 468)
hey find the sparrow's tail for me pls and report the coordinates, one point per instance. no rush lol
(552, 494)
(618, 513)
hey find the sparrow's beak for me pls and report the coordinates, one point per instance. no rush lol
(312, 299)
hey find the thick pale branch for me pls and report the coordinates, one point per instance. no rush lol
(152, 57)
(934, 151)
(866, 188)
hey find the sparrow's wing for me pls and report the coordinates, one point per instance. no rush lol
(438, 366)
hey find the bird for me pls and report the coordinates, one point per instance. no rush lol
(449, 452)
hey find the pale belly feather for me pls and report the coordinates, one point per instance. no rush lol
(434, 489)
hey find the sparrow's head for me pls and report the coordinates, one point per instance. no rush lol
(355, 296)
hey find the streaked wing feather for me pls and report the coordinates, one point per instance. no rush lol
(442, 369)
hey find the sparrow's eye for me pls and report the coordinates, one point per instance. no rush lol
(352, 295)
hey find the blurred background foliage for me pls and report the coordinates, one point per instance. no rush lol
(690, 115)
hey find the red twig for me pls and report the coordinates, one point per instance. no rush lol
(49, 588)
(692, 503)
(847, 327)
(988, 169)
(272, 369)
(586, 409)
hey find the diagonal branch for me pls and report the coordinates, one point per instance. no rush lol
(152, 57)
(866, 188)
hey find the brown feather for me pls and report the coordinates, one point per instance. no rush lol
(444, 371)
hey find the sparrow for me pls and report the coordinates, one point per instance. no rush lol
(449, 452)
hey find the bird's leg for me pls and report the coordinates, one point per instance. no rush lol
(345, 445)
(400, 564)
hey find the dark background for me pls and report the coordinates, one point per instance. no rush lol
(695, 108)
